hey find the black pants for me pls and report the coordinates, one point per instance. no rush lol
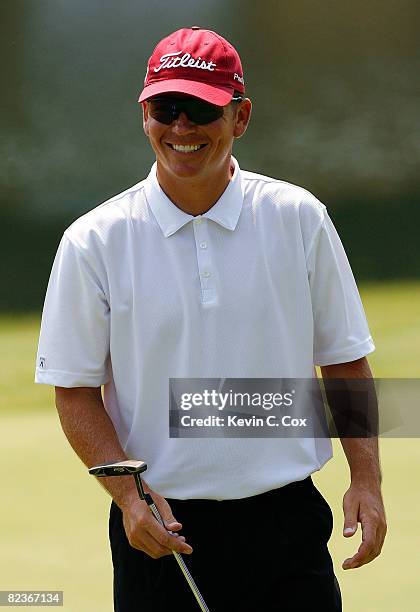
(263, 553)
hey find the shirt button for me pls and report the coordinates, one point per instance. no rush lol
(206, 274)
(203, 245)
(197, 221)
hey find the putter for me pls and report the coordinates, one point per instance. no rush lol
(135, 468)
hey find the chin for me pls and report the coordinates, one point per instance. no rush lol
(185, 170)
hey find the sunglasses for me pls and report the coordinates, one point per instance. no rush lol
(166, 109)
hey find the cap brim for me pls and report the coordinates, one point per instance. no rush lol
(215, 95)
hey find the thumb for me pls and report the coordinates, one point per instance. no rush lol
(172, 524)
(165, 512)
(168, 518)
(350, 518)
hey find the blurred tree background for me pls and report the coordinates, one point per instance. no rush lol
(335, 88)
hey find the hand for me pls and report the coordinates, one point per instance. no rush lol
(145, 533)
(363, 503)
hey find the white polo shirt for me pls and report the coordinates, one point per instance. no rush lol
(258, 287)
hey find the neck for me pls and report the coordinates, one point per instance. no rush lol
(195, 195)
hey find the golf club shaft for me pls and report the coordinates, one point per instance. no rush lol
(190, 580)
(179, 558)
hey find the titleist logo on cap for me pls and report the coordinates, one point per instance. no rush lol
(172, 60)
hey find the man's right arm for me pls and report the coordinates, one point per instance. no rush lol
(92, 436)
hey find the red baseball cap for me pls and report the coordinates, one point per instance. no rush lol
(196, 62)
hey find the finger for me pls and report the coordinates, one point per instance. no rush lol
(167, 540)
(349, 530)
(367, 549)
(172, 525)
(166, 514)
(177, 535)
(169, 520)
(149, 545)
(351, 512)
(154, 548)
(382, 533)
(380, 537)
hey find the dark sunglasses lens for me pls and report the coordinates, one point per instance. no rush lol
(162, 110)
(203, 112)
(166, 110)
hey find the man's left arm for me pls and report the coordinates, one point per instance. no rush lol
(362, 502)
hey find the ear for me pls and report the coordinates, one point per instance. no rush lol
(242, 117)
(145, 118)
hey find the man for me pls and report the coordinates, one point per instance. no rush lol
(203, 270)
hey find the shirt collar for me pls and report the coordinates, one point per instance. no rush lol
(170, 218)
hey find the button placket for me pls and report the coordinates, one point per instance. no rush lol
(204, 262)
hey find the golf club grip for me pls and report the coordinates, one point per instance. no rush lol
(203, 606)
(149, 500)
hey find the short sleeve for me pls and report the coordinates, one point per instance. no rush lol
(341, 332)
(73, 346)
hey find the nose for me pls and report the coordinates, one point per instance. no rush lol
(182, 125)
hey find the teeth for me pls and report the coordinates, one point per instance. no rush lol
(186, 148)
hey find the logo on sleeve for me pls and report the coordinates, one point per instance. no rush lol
(42, 363)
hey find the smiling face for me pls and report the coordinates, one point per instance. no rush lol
(185, 150)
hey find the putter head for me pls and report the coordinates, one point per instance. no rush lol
(121, 468)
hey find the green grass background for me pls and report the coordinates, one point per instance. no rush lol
(53, 515)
